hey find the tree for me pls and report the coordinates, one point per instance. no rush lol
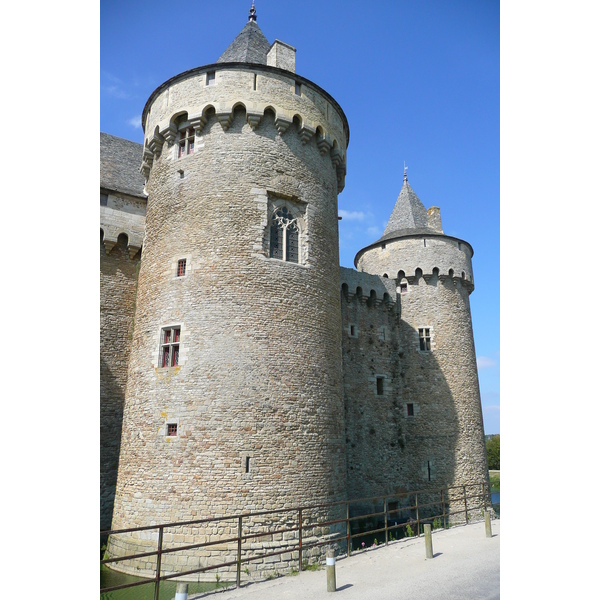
(492, 447)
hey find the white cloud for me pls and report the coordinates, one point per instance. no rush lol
(135, 122)
(355, 215)
(483, 362)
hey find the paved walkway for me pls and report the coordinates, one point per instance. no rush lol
(465, 566)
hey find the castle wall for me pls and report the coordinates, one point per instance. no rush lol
(118, 282)
(375, 420)
(257, 393)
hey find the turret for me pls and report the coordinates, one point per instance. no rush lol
(234, 394)
(440, 389)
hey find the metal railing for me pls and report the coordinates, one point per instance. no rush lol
(440, 507)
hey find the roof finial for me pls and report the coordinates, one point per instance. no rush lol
(252, 16)
(405, 168)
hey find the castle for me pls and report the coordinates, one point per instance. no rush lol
(241, 367)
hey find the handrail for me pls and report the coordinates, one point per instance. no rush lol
(478, 500)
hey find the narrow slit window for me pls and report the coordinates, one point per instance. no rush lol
(255, 77)
(428, 471)
(410, 410)
(298, 89)
(247, 464)
(181, 267)
(380, 386)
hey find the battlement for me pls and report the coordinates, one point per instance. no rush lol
(419, 255)
(371, 289)
(186, 102)
(122, 215)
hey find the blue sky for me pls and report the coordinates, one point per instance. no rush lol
(418, 81)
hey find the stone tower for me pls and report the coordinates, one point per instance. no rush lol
(234, 390)
(444, 438)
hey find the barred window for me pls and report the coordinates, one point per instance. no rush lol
(186, 141)
(424, 339)
(181, 267)
(284, 236)
(169, 347)
(171, 429)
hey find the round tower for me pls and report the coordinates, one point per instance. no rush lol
(234, 394)
(434, 277)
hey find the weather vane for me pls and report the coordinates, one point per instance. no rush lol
(405, 169)
(252, 16)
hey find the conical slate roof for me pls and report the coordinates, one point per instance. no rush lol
(250, 46)
(408, 213)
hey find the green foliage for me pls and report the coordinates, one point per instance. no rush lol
(409, 531)
(492, 447)
(495, 482)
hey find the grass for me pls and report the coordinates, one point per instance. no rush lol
(495, 481)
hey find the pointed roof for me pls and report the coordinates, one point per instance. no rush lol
(408, 213)
(250, 46)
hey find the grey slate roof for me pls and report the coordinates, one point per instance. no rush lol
(250, 46)
(408, 213)
(120, 162)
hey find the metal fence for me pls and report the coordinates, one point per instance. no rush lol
(298, 533)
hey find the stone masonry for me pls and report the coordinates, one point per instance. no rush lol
(242, 369)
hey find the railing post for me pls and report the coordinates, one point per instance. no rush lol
(238, 577)
(181, 592)
(158, 561)
(385, 507)
(299, 539)
(465, 497)
(417, 507)
(443, 508)
(348, 540)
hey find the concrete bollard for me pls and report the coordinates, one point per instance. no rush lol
(181, 592)
(428, 544)
(488, 524)
(330, 562)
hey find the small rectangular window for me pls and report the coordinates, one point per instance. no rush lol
(424, 339)
(181, 267)
(169, 347)
(247, 464)
(186, 141)
(171, 429)
(103, 199)
(380, 386)
(410, 410)
(298, 89)
(211, 78)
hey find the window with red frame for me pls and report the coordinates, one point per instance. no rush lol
(186, 141)
(181, 267)
(169, 347)
(171, 429)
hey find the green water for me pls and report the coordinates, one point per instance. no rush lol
(109, 578)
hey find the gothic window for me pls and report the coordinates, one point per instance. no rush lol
(169, 346)
(186, 141)
(424, 339)
(284, 239)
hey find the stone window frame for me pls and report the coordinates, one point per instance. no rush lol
(384, 334)
(414, 410)
(426, 339)
(186, 140)
(384, 384)
(158, 342)
(211, 78)
(403, 286)
(296, 207)
(352, 330)
(165, 429)
(174, 266)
